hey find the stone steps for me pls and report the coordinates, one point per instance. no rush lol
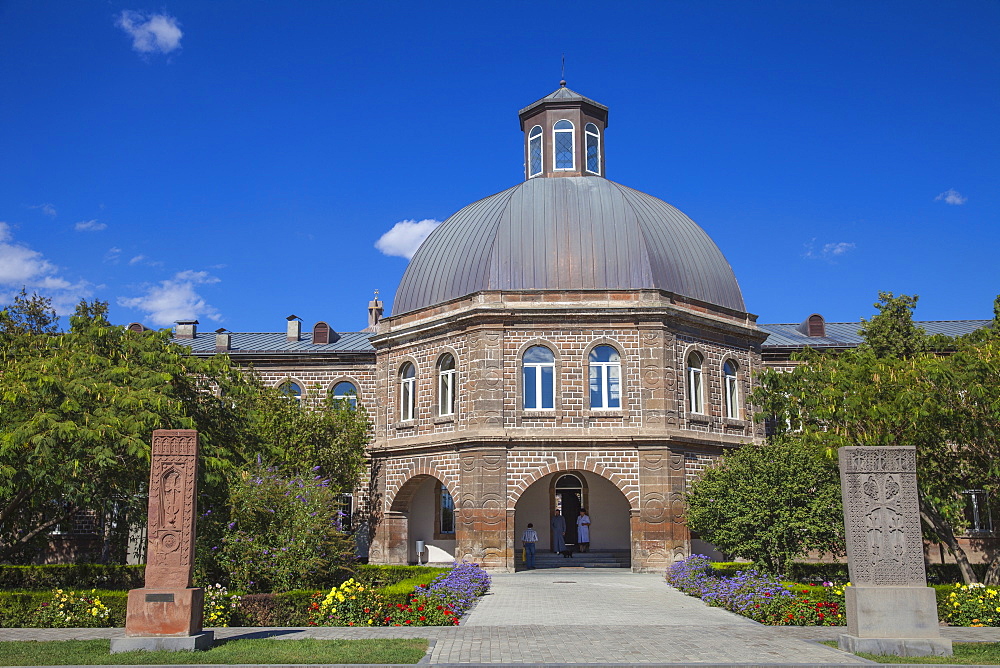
(602, 559)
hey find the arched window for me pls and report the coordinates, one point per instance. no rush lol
(696, 401)
(345, 392)
(605, 378)
(564, 144)
(732, 389)
(593, 149)
(539, 371)
(535, 151)
(407, 392)
(446, 385)
(291, 390)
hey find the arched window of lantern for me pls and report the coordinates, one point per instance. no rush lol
(321, 333)
(593, 136)
(695, 388)
(446, 385)
(535, 151)
(564, 145)
(731, 388)
(538, 369)
(407, 392)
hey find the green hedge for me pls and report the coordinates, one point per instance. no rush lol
(290, 608)
(383, 576)
(71, 576)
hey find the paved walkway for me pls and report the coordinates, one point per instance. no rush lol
(577, 616)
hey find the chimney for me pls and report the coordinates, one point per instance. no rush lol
(374, 312)
(223, 340)
(294, 328)
(186, 329)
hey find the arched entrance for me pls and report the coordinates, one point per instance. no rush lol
(566, 492)
(423, 510)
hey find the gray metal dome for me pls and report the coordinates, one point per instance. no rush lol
(570, 233)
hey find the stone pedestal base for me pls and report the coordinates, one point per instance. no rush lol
(896, 646)
(164, 612)
(199, 641)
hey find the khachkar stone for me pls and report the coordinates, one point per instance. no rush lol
(890, 608)
(167, 612)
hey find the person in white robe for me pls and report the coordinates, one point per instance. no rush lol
(583, 530)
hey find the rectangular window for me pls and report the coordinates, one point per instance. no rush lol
(977, 511)
(694, 390)
(614, 386)
(530, 389)
(564, 149)
(446, 511)
(596, 386)
(548, 387)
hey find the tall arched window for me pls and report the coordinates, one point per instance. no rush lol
(446, 385)
(345, 392)
(291, 390)
(593, 149)
(535, 151)
(605, 378)
(696, 401)
(564, 145)
(732, 389)
(407, 392)
(539, 371)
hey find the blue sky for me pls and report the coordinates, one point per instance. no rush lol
(238, 161)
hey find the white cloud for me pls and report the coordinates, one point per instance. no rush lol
(827, 252)
(23, 267)
(137, 259)
(405, 237)
(113, 254)
(175, 299)
(90, 226)
(952, 196)
(151, 33)
(47, 209)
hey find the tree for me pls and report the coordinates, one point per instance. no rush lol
(77, 409)
(893, 391)
(769, 503)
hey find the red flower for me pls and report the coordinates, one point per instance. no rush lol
(367, 610)
(421, 608)
(422, 618)
(350, 623)
(439, 607)
(407, 621)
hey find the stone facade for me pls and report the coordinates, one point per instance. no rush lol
(492, 450)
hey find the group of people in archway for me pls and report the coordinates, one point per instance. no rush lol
(557, 525)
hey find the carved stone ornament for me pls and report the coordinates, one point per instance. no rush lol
(882, 516)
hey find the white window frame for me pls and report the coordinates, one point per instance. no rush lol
(538, 366)
(731, 388)
(587, 135)
(532, 138)
(696, 392)
(572, 143)
(407, 392)
(289, 383)
(446, 386)
(605, 380)
(351, 399)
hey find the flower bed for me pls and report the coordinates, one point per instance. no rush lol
(440, 603)
(759, 596)
(971, 605)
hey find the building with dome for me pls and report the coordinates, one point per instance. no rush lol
(566, 343)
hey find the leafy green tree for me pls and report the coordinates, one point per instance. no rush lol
(893, 391)
(770, 503)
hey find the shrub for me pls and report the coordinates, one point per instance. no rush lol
(284, 609)
(19, 609)
(972, 605)
(68, 609)
(219, 606)
(71, 576)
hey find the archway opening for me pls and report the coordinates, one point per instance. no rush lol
(429, 509)
(563, 494)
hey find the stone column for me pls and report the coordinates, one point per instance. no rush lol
(392, 536)
(167, 612)
(659, 536)
(890, 608)
(482, 527)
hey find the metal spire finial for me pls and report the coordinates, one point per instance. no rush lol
(562, 79)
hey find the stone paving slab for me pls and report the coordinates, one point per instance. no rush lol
(584, 617)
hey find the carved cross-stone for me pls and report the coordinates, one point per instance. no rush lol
(167, 612)
(890, 608)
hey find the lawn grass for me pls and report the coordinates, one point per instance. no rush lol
(966, 653)
(258, 650)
